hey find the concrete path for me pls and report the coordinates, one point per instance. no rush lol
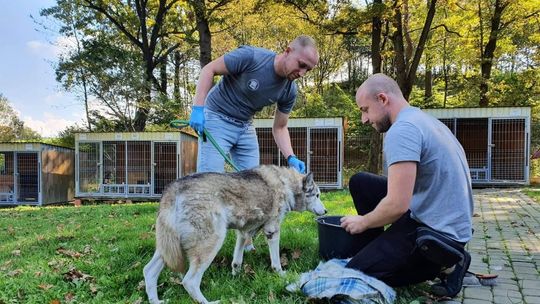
(506, 242)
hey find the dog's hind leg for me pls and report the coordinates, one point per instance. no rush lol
(151, 274)
(238, 255)
(200, 257)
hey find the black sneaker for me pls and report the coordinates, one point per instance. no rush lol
(454, 281)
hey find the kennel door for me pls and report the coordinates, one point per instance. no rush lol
(165, 165)
(324, 156)
(27, 177)
(88, 168)
(7, 178)
(508, 155)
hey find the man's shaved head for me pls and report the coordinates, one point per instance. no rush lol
(380, 83)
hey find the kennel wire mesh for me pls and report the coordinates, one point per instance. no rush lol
(131, 165)
(496, 143)
(316, 141)
(35, 174)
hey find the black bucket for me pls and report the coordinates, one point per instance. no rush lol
(334, 241)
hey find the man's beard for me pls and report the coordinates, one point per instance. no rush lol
(383, 125)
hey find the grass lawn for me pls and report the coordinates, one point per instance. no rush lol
(96, 253)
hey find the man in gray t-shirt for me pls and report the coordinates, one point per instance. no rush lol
(252, 79)
(428, 187)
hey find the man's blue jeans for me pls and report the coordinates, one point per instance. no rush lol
(236, 137)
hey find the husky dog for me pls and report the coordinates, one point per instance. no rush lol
(196, 211)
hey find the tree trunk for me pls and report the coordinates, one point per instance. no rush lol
(489, 51)
(176, 81)
(163, 76)
(375, 141)
(405, 74)
(428, 84)
(205, 37)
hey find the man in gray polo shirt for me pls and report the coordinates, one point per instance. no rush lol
(428, 185)
(252, 79)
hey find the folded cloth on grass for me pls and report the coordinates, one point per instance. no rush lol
(332, 280)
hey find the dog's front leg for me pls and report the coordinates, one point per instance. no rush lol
(272, 238)
(238, 255)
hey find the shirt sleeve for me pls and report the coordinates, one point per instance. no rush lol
(286, 103)
(239, 60)
(403, 142)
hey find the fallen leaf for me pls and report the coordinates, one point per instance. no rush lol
(271, 297)
(69, 253)
(14, 273)
(11, 230)
(69, 297)
(296, 254)
(93, 288)
(16, 252)
(55, 301)
(248, 269)
(284, 260)
(135, 265)
(87, 249)
(138, 301)
(74, 275)
(145, 235)
(45, 286)
(38, 274)
(175, 280)
(141, 285)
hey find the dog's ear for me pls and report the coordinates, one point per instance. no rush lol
(307, 181)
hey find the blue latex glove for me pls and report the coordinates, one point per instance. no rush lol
(294, 162)
(196, 120)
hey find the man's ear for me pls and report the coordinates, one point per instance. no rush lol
(383, 98)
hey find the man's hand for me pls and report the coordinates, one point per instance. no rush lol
(294, 162)
(354, 224)
(196, 120)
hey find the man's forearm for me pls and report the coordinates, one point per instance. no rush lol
(386, 212)
(283, 140)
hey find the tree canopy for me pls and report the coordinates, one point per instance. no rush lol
(136, 62)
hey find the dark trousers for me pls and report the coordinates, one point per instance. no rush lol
(388, 255)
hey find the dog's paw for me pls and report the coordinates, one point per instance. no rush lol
(281, 272)
(236, 269)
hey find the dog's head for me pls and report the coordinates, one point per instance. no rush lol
(310, 197)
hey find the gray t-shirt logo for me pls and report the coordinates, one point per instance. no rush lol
(253, 84)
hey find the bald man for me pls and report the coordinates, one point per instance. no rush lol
(252, 79)
(428, 185)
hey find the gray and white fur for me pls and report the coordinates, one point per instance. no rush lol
(196, 211)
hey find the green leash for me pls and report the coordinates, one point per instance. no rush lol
(180, 124)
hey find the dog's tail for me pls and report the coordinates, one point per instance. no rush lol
(168, 245)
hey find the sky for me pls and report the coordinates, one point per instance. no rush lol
(27, 77)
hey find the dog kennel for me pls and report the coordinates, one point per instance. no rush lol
(496, 142)
(35, 174)
(136, 165)
(316, 141)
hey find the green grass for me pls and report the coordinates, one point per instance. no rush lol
(96, 253)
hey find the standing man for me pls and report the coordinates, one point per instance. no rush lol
(252, 79)
(428, 185)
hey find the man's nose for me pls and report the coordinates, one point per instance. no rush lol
(365, 120)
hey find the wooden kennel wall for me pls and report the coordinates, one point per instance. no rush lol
(131, 165)
(316, 141)
(496, 142)
(36, 174)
